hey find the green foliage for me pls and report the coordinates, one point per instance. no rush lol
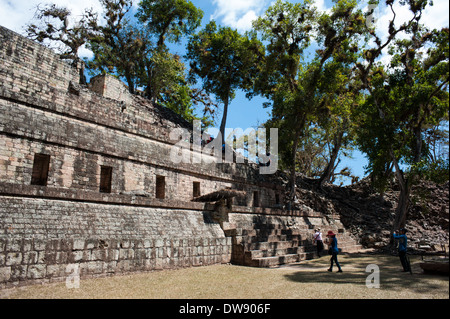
(407, 97)
(315, 93)
(53, 29)
(222, 58)
(169, 19)
(225, 61)
(437, 171)
(341, 98)
(119, 46)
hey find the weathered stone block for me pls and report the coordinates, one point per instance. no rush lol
(39, 244)
(113, 254)
(55, 271)
(14, 245)
(30, 257)
(18, 272)
(78, 244)
(36, 271)
(91, 267)
(76, 256)
(91, 243)
(13, 259)
(5, 274)
(148, 243)
(159, 243)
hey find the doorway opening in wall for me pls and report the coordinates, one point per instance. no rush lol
(105, 179)
(277, 199)
(256, 199)
(196, 189)
(41, 164)
(160, 187)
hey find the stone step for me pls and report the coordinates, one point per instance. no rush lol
(266, 232)
(272, 238)
(274, 261)
(271, 245)
(278, 226)
(252, 254)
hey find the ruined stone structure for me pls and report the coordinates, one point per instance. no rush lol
(86, 179)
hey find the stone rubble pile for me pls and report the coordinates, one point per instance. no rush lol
(369, 215)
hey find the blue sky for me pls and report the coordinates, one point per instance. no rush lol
(238, 14)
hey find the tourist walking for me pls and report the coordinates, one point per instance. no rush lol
(402, 248)
(318, 241)
(333, 250)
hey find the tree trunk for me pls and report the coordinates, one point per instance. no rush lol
(292, 176)
(224, 119)
(403, 199)
(329, 170)
(292, 173)
(405, 184)
(402, 206)
(130, 82)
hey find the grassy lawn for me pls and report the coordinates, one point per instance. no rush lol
(305, 280)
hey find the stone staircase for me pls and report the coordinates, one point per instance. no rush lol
(274, 244)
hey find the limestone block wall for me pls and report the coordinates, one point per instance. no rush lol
(109, 87)
(40, 238)
(22, 59)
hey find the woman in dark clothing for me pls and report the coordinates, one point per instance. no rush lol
(402, 248)
(334, 251)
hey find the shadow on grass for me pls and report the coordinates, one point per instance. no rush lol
(354, 272)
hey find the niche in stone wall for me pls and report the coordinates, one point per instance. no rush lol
(105, 179)
(256, 199)
(277, 199)
(160, 187)
(41, 165)
(196, 189)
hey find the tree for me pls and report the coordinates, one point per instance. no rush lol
(299, 90)
(169, 19)
(119, 47)
(55, 30)
(224, 60)
(404, 98)
(339, 128)
(163, 74)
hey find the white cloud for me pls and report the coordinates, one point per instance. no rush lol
(321, 6)
(238, 14)
(15, 14)
(435, 16)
